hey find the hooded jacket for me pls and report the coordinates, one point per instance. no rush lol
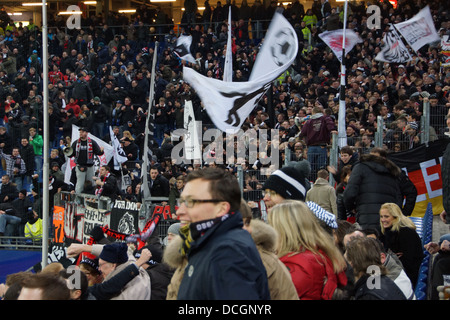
(280, 282)
(373, 181)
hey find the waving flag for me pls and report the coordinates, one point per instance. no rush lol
(229, 103)
(183, 48)
(334, 39)
(118, 153)
(419, 30)
(394, 50)
(228, 67)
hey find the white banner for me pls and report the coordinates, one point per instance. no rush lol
(419, 30)
(191, 144)
(228, 67)
(334, 39)
(229, 103)
(102, 160)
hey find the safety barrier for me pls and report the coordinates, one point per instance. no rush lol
(425, 230)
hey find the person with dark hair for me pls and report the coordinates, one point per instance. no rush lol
(84, 150)
(158, 184)
(44, 286)
(106, 184)
(364, 255)
(408, 190)
(373, 181)
(212, 199)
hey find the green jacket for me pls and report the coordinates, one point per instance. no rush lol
(37, 144)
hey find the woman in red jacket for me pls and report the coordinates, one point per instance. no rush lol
(316, 265)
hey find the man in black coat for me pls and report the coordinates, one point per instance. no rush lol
(373, 181)
(158, 184)
(106, 184)
(408, 190)
(8, 191)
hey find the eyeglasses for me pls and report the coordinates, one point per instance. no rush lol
(189, 203)
(270, 193)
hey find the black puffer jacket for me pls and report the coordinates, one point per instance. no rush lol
(373, 181)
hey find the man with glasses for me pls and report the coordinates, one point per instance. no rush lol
(223, 262)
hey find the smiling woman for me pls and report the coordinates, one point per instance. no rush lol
(399, 235)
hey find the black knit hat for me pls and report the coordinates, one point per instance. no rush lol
(115, 253)
(288, 182)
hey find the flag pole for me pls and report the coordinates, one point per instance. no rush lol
(342, 136)
(45, 153)
(144, 169)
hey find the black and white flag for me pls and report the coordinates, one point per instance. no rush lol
(394, 50)
(229, 103)
(183, 48)
(118, 153)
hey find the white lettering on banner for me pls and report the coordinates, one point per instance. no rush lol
(93, 217)
(431, 178)
(74, 21)
(374, 21)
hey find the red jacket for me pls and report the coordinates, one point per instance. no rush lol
(313, 277)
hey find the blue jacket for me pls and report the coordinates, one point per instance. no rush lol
(224, 264)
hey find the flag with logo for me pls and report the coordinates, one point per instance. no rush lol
(393, 50)
(229, 103)
(118, 153)
(183, 48)
(419, 30)
(334, 40)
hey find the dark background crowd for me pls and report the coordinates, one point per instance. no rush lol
(99, 76)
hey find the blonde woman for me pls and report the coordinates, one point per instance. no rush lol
(308, 251)
(398, 234)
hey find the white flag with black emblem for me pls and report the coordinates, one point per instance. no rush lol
(183, 48)
(118, 153)
(229, 103)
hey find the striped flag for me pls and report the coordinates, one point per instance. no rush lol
(394, 50)
(149, 130)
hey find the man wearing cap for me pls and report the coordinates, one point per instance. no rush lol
(285, 183)
(84, 149)
(116, 262)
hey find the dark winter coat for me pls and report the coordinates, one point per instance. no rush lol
(407, 242)
(373, 181)
(387, 290)
(234, 270)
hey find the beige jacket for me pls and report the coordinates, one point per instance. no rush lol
(323, 194)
